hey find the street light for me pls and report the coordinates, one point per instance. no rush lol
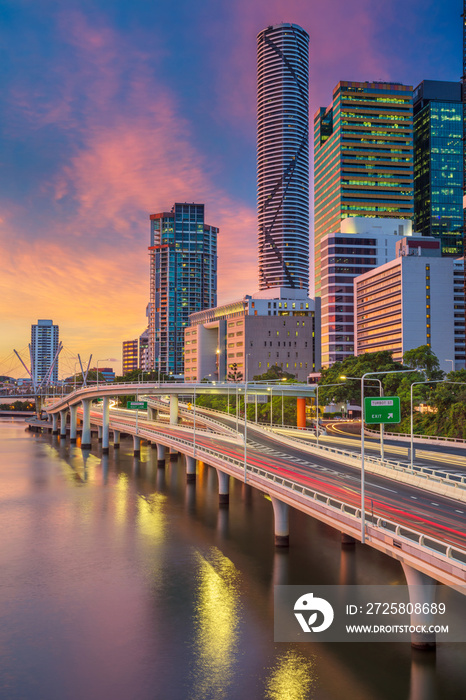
(362, 398)
(452, 364)
(316, 386)
(363, 505)
(105, 359)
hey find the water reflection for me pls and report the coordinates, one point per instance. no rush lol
(217, 617)
(292, 678)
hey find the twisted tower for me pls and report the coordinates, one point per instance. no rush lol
(283, 156)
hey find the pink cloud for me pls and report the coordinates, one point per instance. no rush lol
(90, 270)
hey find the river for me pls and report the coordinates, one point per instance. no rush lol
(121, 581)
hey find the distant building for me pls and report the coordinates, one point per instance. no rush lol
(144, 350)
(363, 157)
(106, 372)
(283, 156)
(270, 328)
(438, 163)
(44, 346)
(411, 301)
(183, 280)
(361, 245)
(130, 356)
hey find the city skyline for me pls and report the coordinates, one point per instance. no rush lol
(96, 112)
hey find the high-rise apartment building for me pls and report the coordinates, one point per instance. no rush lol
(183, 280)
(283, 156)
(363, 157)
(438, 163)
(130, 356)
(44, 346)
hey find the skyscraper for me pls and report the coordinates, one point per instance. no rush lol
(283, 156)
(438, 163)
(44, 346)
(363, 157)
(183, 279)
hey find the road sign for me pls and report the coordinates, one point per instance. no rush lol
(141, 405)
(385, 409)
(261, 398)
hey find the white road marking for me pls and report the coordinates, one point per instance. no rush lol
(459, 511)
(434, 504)
(384, 488)
(415, 497)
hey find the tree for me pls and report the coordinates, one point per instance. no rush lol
(273, 373)
(424, 360)
(234, 375)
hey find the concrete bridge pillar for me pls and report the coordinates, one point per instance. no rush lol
(300, 412)
(160, 455)
(223, 488)
(173, 455)
(347, 541)
(105, 425)
(99, 433)
(151, 413)
(86, 434)
(173, 409)
(116, 439)
(422, 590)
(282, 522)
(54, 423)
(136, 445)
(190, 469)
(73, 423)
(63, 416)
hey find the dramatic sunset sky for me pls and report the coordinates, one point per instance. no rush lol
(115, 109)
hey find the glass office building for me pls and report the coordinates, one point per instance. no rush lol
(283, 156)
(363, 157)
(183, 280)
(438, 163)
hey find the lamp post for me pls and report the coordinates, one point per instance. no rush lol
(105, 359)
(362, 398)
(363, 504)
(317, 406)
(452, 364)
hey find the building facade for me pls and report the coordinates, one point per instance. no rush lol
(255, 333)
(362, 245)
(183, 280)
(410, 301)
(363, 157)
(130, 356)
(438, 163)
(44, 346)
(283, 157)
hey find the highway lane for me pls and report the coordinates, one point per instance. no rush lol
(447, 458)
(437, 516)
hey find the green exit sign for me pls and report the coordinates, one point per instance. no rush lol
(140, 405)
(384, 409)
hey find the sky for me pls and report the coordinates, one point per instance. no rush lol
(111, 110)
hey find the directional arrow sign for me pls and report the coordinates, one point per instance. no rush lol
(384, 409)
(141, 405)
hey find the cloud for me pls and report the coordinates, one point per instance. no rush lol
(86, 264)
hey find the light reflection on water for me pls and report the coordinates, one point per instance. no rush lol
(120, 580)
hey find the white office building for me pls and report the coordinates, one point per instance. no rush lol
(411, 301)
